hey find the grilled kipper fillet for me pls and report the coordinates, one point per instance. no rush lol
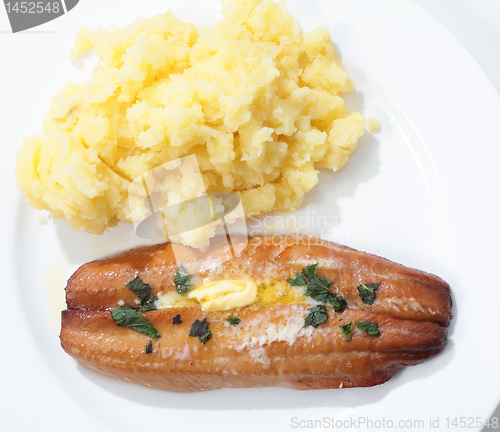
(270, 347)
(320, 358)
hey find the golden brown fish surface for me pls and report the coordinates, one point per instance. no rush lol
(270, 346)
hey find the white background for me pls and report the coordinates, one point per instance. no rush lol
(475, 23)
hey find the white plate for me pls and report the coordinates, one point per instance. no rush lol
(419, 192)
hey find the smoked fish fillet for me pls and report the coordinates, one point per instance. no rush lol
(271, 346)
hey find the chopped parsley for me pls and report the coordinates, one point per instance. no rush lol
(148, 305)
(339, 304)
(233, 320)
(317, 315)
(298, 281)
(149, 347)
(128, 317)
(368, 327)
(182, 280)
(346, 330)
(367, 292)
(143, 291)
(140, 289)
(318, 288)
(310, 271)
(177, 319)
(200, 329)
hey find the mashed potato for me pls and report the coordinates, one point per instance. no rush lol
(253, 98)
(373, 124)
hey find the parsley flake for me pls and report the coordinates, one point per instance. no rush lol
(317, 315)
(140, 289)
(338, 303)
(148, 305)
(310, 271)
(143, 291)
(126, 316)
(149, 347)
(182, 280)
(368, 327)
(298, 281)
(200, 329)
(367, 292)
(233, 320)
(318, 288)
(346, 330)
(177, 319)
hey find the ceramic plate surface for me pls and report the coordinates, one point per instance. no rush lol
(418, 192)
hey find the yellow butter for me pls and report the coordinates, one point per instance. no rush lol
(279, 292)
(225, 294)
(173, 299)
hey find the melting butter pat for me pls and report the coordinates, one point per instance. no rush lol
(225, 294)
(173, 299)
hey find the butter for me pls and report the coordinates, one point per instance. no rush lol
(174, 300)
(279, 292)
(225, 294)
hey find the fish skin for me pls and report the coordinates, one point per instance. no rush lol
(320, 360)
(412, 310)
(403, 293)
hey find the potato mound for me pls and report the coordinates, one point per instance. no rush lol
(256, 101)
